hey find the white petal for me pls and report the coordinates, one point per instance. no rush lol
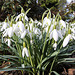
(17, 17)
(4, 25)
(31, 26)
(26, 52)
(63, 31)
(2, 29)
(23, 34)
(9, 42)
(63, 23)
(10, 32)
(26, 18)
(23, 66)
(60, 35)
(46, 21)
(15, 28)
(73, 37)
(21, 26)
(23, 52)
(37, 31)
(46, 29)
(22, 14)
(55, 35)
(73, 30)
(51, 28)
(5, 33)
(66, 40)
(55, 46)
(51, 35)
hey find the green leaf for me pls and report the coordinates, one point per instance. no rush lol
(55, 73)
(17, 68)
(54, 53)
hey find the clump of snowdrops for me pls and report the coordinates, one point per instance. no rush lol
(37, 46)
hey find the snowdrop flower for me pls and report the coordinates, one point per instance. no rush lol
(62, 31)
(62, 23)
(36, 31)
(73, 25)
(9, 42)
(31, 41)
(21, 26)
(25, 51)
(37, 1)
(4, 26)
(23, 66)
(51, 28)
(66, 40)
(8, 31)
(36, 21)
(22, 14)
(70, 36)
(55, 46)
(31, 26)
(73, 30)
(16, 29)
(73, 36)
(23, 34)
(39, 23)
(55, 34)
(5, 33)
(26, 18)
(46, 22)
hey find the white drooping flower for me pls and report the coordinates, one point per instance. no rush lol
(22, 15)
(37, 1)
(63, 31)
(8, 31)
(21, 26)
(66, 40)
(5, 32)
(25, 51)
(62, 23)
(55, 34)
(4, 26)
(23, 66)
(16, 29)
(36, 31)
(38, 23)
(30, 26)
(51, 28)
(55, 46)
(73, 30)
(46, 22)
(9, 42)
(73, 24)
(23, 34)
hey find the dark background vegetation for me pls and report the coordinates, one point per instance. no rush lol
(10, 7)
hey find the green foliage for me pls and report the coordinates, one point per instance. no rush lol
(11, 7)
(42, 56)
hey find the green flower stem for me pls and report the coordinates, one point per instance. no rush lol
(45, 43)
(19, 51)
(55, 59)
(18, 48)
(30, 55)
